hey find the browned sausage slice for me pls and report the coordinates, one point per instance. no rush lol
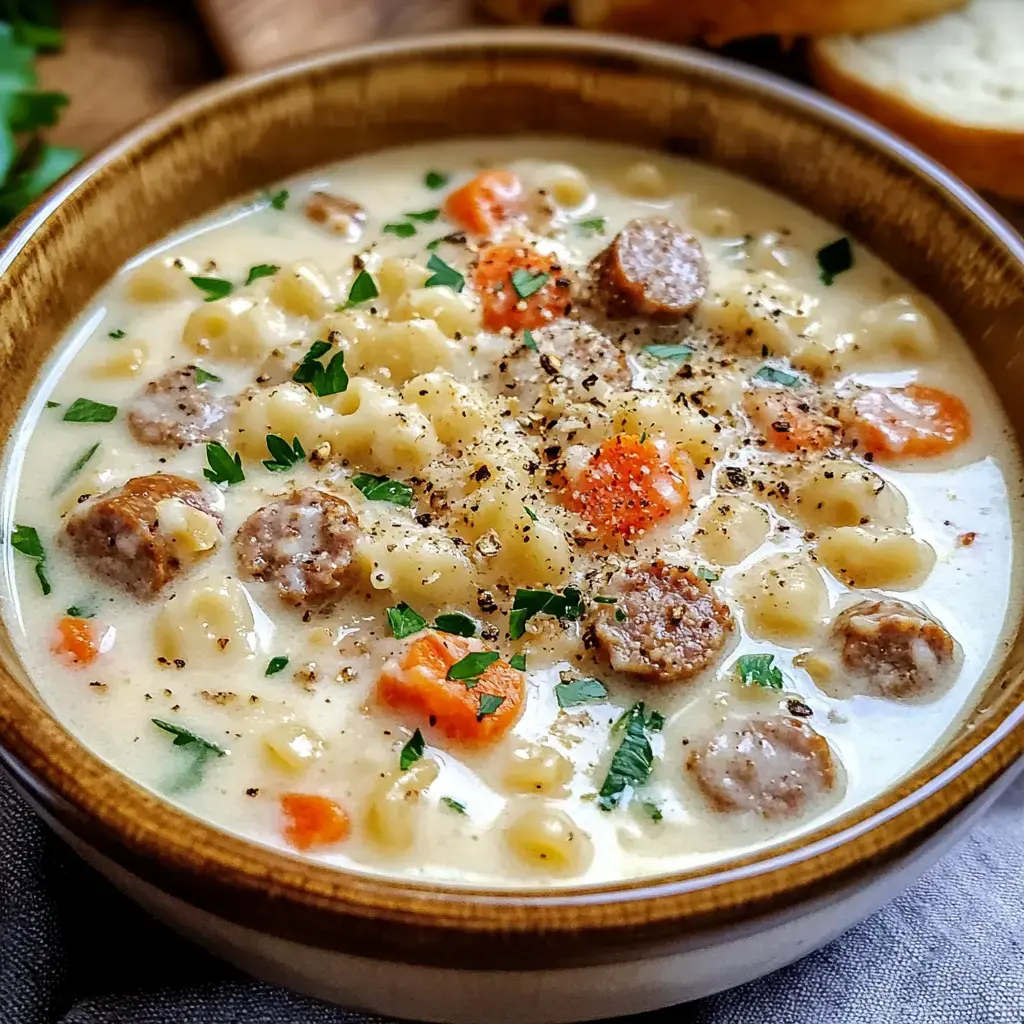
(666, 624)
(652, 268)
(176, 410)
(773, 766)
(118, 534)
(304, 545)
(893, 650)
(337, 214)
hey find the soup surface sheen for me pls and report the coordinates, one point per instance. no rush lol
(711, 480)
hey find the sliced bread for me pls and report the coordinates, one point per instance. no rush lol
(953, 86)
(719, 21)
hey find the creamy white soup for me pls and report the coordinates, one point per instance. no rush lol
(511, 512)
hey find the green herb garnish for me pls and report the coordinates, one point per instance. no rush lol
(652, 810)
(412, 751)
(205, 377)
(283, 455)
(706, 574)
(527, 603)
(404, 621)
(518, 662)
(529, 511)
(435, 180)
(261, 270)
(834, 259)
(632, 761)
(425, 216)
(605, 600)
(526, 283)
(363, 289)
(53, 405)
(201, 750)
(85, 410)
(214, 287)
(116, 335)
(770, 373)
(472, 666)
(573, 692)
(74, 469)
(224, 469)
(489, 703)
(668, 351)
(279, 199)
(444, 274)
(528, 341)
(331, 379)
(276, 665)
(453, 805)
(402, 230)
(25, 540)
(592, 225)
(758, 669)
(456, 623)
(80, 611)
(382, 488)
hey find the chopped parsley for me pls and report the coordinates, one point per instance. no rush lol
(444, 275)
(518, 662)
(425, 216)
(205, 377)
(592, 225)
(758, 669)
(605, 600)
(526, 283)
(404, 621)
(201, 751)
(528, 340)
(80, 611)
(706, 574)
(283, 455)
(412, 751)
(775, 376)
(25, 540)
(382, 488)
(652, 810)
(471, 667)
(527, 603)
(432, 245)
(668, 351)
(276, 665)
(116, 335)
(529, 511)
(633, 760)
(402, 229)
(834, 259)
(85, 410)
(456, 623)
(279, 199)
(224, 469)
(74, 469)
(261, 270)
(214, 287)
(53, 405)
(331, 379)
(573, 692)
(489, 703)
(453, 805)
(435, 180)
(363, 289)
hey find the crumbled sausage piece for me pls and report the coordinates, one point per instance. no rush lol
(117, 535)
(175, 410)
(338, 215)
(774, 766)
(666, 625)
(893, 650)
(303, 544)
(652, 268)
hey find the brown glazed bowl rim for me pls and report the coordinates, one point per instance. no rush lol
(151, 837)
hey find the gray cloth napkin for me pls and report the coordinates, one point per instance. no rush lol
(74, 951)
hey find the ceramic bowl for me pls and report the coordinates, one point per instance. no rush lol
(440, 952)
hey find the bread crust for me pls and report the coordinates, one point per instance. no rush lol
(986, 158)
(719, 21)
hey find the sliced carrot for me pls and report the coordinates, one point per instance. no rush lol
(463, 710)
(788, 422)
(485, 202)
(314, 820)
(915, 422)
(519, 288)
(630, 484)
(75, 641)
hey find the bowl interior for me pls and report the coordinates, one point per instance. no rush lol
(238, 137)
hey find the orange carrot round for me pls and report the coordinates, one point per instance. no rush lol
(314, 820)
(76, 641)
(630, 484)
(468, 713)
(915, 422)
(519, 288)
(485, 202)
(788, 422)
